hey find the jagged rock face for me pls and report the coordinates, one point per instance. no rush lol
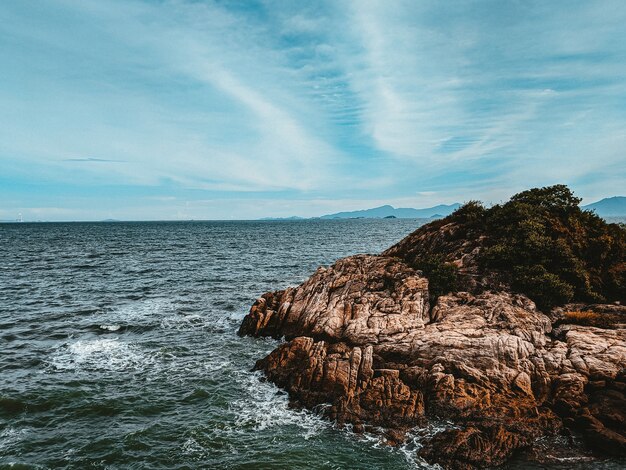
(359, 300)
(362, 341)
(317, 372)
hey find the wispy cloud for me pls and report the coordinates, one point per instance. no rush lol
(283, 101)
(94, 160)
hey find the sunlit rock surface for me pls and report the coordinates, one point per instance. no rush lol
(363, 345)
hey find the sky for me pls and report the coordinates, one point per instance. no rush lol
(180, 109)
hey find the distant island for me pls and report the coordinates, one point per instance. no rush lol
(386, 212)
(293, 217)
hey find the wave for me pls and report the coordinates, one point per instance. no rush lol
(264, 406)
(11, 436)
(102, 354)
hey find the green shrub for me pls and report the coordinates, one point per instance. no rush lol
(558, 197)
(546, 289)
(472, 212)
(542, 244)
(442, 276)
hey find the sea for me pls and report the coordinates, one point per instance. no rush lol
(118, 348)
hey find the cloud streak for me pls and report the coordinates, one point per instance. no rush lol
(307, 101)
(90, 160)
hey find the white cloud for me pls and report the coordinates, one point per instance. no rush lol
(364, 101)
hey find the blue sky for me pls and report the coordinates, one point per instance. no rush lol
(178, 109)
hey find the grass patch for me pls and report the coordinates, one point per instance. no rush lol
(590, 318)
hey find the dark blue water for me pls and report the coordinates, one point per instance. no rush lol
(118, 346)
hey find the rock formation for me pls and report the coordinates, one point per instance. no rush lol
(365, 347)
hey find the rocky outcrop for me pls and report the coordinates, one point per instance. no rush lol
(359, 300)
(364, 347)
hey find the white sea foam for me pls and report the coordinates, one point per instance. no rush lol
(183, 322)
(109, 354)
(216, 364)
(162, 312)
(559, 449)
(137, 311)
(110, 327)
(264, 406)
(415, 441)
(191, 447)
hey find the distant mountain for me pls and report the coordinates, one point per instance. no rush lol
(401, 213)
(609, 207)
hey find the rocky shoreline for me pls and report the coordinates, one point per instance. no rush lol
(362, 338)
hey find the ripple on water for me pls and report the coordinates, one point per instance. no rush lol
(10, 436)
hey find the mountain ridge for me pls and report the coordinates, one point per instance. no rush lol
(614, 206)
(400, 212)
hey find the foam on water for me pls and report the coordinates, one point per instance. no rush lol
(265, 406)
(192, 447)
(415, 441)
(561, 450)
(140, 311)
(164, 313)
(408, 450)
(103, 354)
(183, 321)
(217, 364)
(110, 327)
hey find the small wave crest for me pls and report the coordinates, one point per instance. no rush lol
(265, 406)
(11, 436)
(107, 354)
(110, 327)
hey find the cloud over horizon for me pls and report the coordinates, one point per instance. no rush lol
(227, 109)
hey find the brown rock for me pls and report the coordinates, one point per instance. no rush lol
(361, 299)
(362, 341)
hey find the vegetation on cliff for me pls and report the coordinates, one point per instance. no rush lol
(540, 243)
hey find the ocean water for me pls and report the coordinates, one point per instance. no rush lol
(118, 347)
